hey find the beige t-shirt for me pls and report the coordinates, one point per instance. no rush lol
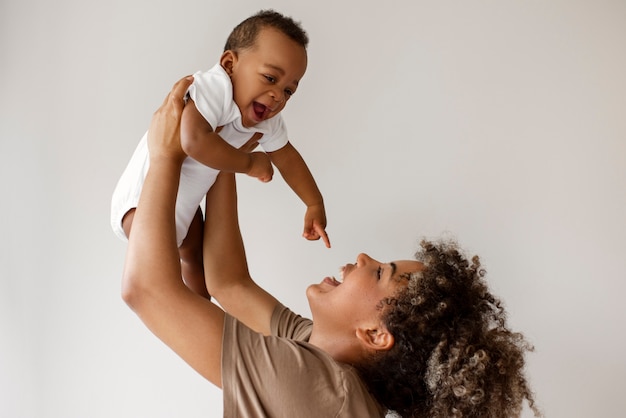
(282, 375)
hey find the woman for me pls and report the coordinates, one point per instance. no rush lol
(423, 338)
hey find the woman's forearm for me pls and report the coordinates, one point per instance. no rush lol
(226, 268)
(152, 260)
(224, 254)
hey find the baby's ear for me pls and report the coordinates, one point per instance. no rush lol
(228, 60)
(376, 339)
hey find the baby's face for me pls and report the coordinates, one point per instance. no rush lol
(266, 75)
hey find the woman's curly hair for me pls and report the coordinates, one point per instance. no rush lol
(454, 355)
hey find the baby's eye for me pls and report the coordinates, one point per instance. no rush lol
(270, 78)
(379, 272)
(289, 92)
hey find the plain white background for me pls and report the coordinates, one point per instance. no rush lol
(502, 124)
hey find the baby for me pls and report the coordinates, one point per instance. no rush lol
(230, 109)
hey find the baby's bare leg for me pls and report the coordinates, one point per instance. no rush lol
(191, 256)
(127, 221)
(190, 252)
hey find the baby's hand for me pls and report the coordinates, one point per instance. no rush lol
(315, 224)
(260, 166)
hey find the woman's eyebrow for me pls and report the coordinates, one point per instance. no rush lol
(393, 268)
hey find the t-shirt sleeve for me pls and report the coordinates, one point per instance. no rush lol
(285, 323)
(274, 135)
(212, 96)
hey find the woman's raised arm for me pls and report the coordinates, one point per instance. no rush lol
(152, 283)
(225, 267)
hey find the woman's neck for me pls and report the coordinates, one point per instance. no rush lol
(342, 348)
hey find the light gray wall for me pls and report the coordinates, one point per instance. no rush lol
(501, 123)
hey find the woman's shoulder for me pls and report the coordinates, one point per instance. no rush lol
(298, 372)
(288, 324)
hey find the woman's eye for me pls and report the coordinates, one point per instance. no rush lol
(289, 92)
(379, 272)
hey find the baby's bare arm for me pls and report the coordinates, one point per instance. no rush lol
(200, 141)
(297, 175)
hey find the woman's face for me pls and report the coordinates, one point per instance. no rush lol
(354, 300)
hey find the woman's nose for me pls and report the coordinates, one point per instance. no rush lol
(363, 259)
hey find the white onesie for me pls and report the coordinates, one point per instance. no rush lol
(212, 92)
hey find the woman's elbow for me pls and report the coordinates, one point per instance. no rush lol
(132, 291)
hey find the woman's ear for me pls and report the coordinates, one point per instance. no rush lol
(228, 61)
(375, 339)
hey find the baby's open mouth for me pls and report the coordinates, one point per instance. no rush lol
(260, 110)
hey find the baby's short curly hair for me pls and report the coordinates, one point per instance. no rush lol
(244, 34)
(454, 355)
